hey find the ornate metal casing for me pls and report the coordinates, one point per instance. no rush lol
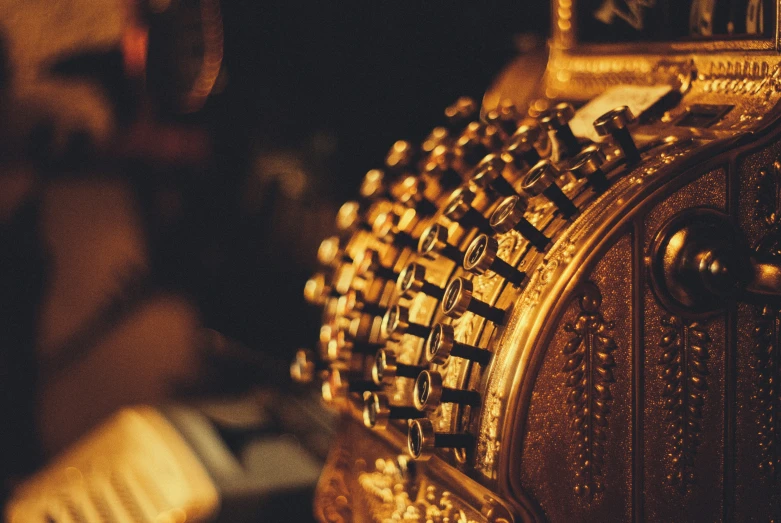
(604, 399)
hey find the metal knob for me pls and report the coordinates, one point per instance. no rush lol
(386, 368)
(521, 152)
(459, 298)
(354, 302)
(429, 393)
(411, 193)
(556, 123)
(505, 117)
(401, 156)
(434, 241)
(438, 136)
(374, 185)
(541, 179)
(367, 262)
(386, 228)
(338, 386)
(377, 411)
(317, 289)
(341, 347)
(459, 209)
(422, 440)
(412, 279)
(329, 253)
(588, 164)
(616, 123)
(445, 175)
(305, 366)
(396, 323)
(701, 261)
(509, 215)
(460, 113)
(483, 255)
(348, 218)
(471, 145)
(441, 344)
(488, 176)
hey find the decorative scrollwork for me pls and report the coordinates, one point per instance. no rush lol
(685, 370)
(768, 391)
(768, 200)
(588, 367)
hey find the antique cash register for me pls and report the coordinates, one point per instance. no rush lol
(564, 304)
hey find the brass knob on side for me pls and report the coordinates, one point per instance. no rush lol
(412, 279)
(588, 164)
(386, 368)
(521, 152)
(305, 366)
(616, 124)
(488, 176)
(386, 228)
(556, 123)
(441, 344)
(483, 255)
(377, 411)
(459, 298)
(459, 209)
(509, 215)
(434, 241)
(348, 218)
(368, 262)
(429, 393)
(422, 440)
(541, 179)
(396, 323)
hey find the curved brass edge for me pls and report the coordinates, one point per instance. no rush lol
(481, 499)
(523, 362)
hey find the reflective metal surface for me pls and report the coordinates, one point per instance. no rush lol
(634, 368)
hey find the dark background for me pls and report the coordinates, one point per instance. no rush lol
(323, 89)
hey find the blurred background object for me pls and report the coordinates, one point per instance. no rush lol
(169, 167)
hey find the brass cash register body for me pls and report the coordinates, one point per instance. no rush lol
(633, 368)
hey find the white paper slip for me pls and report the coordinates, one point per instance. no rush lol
(639, 98)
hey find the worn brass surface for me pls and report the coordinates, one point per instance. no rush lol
(601, 401)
